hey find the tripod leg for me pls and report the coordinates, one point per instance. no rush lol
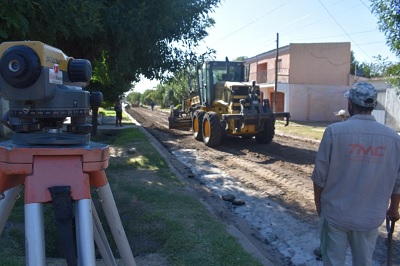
(84, 232)
(6, 204)
(34, 235)
(114, 221)
(101, 240)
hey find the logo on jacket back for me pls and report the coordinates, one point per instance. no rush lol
(366, 153)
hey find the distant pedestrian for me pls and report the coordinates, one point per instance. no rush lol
(118, 113)
(152, 106)
(356, 175)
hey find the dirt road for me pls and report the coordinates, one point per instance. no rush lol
(272, 180)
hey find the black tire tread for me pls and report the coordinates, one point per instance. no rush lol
(267, 135)
(215, 129)
(199, 114)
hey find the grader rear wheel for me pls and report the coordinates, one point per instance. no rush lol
(266, 136)
(197, 124)
(211, 129)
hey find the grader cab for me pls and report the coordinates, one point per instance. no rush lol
(226, 105)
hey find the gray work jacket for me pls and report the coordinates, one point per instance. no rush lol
(358, 166)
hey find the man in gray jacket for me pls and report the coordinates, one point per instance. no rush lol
(356, 175)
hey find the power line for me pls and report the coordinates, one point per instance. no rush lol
(318, 21)
(340, 35)
(372, 43)
(365, 5)
(330, 14)
(293, 23)
(285, 40)
(254, 21)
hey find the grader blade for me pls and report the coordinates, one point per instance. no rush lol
(184, 123)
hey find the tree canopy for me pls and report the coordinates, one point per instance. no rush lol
(122, 39)
(388, 13)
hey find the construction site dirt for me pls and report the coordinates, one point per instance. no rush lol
(273, 206)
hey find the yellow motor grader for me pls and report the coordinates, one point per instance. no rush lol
(226, 105)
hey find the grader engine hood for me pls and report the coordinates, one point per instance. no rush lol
(228, 85)
(224, 90)
(239, 97)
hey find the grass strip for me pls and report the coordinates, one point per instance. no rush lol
(311, 130)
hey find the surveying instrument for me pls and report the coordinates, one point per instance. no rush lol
(54, 165)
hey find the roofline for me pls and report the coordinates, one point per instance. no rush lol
(256, 58)
(281, 49)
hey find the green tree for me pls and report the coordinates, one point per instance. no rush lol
(148, 96)
(364, 69)
(133, 97)
(177, 88)
(380, 66)
(241, 58)
(359, 69)
(388, 13)
(122, 39)
(158, 95)
(393, 72)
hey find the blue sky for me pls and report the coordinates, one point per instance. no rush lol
(249, 27)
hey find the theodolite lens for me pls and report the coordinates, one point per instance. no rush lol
(20, 66)
(14, 66)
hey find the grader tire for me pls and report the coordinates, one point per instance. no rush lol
(197, 124)
(211, 129)
(224, 134)
(266, 136)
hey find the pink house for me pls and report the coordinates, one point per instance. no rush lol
(312, 78)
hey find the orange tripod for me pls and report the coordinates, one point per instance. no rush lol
(46, 172)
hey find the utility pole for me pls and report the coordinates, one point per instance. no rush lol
(355, 73)
(276, 71)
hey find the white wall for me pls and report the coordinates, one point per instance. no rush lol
(379, 116)
(316, 102)
(392, 107)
